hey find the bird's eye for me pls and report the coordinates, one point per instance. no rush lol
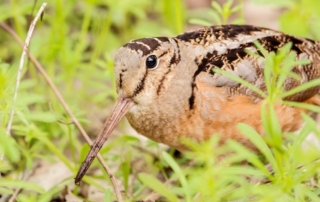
(152, 62)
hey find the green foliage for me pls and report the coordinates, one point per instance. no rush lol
(75, 43)
(9, 147)
(177, 170)
(300, 17)
(157, 186)
(221, 14)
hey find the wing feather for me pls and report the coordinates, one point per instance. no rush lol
(227, 47)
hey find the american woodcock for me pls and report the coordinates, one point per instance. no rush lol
(167, 87)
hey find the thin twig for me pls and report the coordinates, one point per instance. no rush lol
(66, 107)
(15, 194)
(18, 190)
(24, 53)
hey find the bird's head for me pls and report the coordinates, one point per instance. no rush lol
(142, 70)
(142, 67)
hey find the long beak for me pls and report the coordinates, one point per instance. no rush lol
(121, 107)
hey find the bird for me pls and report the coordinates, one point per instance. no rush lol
(168, 89)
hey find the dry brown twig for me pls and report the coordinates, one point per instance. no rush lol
(24, 53)
(56, 92)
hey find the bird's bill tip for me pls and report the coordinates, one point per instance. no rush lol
(122, 106)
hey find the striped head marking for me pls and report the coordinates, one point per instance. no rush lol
(143, 65)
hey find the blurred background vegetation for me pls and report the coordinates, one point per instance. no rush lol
(75, 42)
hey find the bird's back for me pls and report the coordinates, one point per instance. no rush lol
(232, 48)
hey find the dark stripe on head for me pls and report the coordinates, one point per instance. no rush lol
(177, 55)
(162, 81)
(140, 85)
(163, 39)
(146, 45)
(162, 54)
(120, 80)
(174, 60)
(137, 47)
(150, 42)
(178, 47)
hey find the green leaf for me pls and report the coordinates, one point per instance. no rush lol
(4, 191)
(216, 6)
(271, 124)
(198, 21)
(289, 22)
(84, 151)
(236, 8)
(240, 80)
(257, 140)
(177, 170)
(264, 52)
(21, 184)
(9, 146)
(47, 117)
(126, 168)
(216, 17)
(5, 166)
(301, 105)
(107, 196)
(157, 186)
(302, 87)
(53, 191)
(55, 150)
(250, 156)
(242, 170)
(309, 126)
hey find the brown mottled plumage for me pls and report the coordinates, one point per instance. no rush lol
(167, 87)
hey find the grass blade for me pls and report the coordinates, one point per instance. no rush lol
(302, 87)
(257, 140)
(177, 170)
(241, 81)
(157, 186)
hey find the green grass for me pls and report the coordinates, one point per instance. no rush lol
(76, 42)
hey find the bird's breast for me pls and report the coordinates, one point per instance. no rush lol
(167, 125)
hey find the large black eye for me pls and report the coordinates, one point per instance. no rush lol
(152, 62)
